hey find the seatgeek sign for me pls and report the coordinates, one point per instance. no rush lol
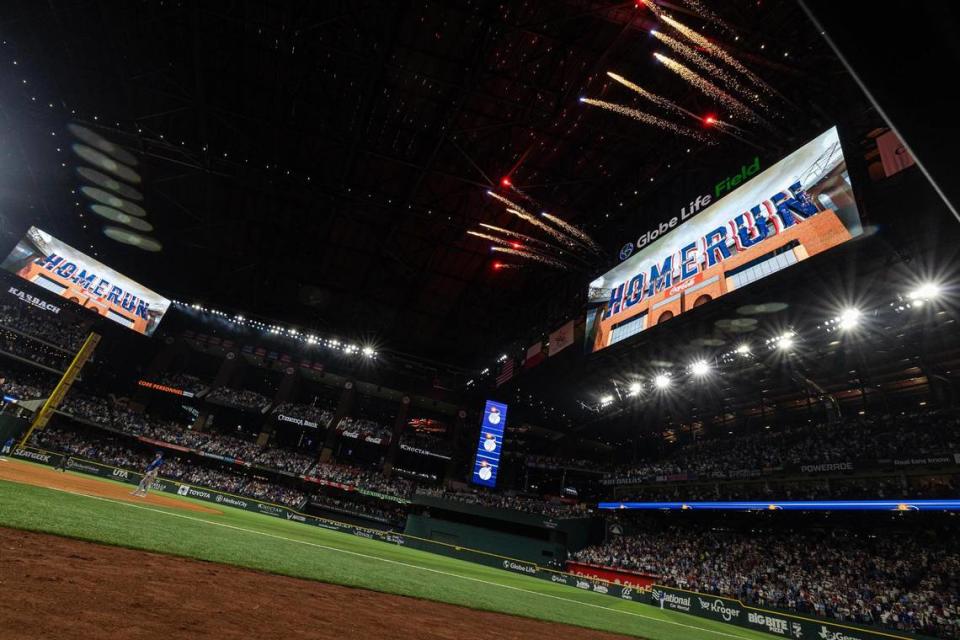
(487, 461)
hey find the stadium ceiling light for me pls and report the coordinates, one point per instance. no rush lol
(926, 291)
(634, 388)
(700, 368)
(605, 400)
(785, 342)
(369, 352)
(743, 349)
(661, 380)
(849, 319)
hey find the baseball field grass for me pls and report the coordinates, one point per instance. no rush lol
(282, 547)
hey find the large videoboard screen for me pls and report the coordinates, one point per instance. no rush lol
(56, 266)
(487, 461)
(799, 207)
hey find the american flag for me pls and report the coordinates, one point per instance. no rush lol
(506, 372)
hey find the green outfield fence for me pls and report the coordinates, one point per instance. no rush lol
(718, 608)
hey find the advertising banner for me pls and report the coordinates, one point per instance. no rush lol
(156, 386)
(57, 267)
(799, 207)
(487, 460)
(773, 621)
(626, 578)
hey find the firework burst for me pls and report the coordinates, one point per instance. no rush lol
(645, 118)
(701, 61)
(643, 93)
(708, 88)
(714, 50)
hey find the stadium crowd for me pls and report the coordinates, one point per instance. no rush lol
(306, 412)
(24, 385)
(899, 581)
(364, 478)
(388, 514)
(183, 381)
(538, 506)
(38, 324)
(242, 398)
(364, 428)
(28, 349)
(433, 443)
(114, 453)
(944, 485)
(862, 438)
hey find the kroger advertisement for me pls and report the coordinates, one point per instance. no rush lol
(49, 263)
(487, 462)
(749, 226)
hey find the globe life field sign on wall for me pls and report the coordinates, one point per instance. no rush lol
(487, 461)
(772, 219)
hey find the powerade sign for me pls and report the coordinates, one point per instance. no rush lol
(774, 622)
(487, 460)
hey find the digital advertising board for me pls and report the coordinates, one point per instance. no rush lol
(59, 268)
(752, 225)
(487, 461)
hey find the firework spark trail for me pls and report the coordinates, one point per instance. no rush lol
(714, 50)
(525, 215)
(710, 89)
(536, 257)
(652, 97)
(575, 232)
(705, 12)
(521, 236)
(645, 118)
(709, 67)
(485, 236)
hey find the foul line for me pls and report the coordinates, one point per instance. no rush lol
(398, 562)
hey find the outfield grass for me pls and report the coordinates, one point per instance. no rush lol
(279, 546)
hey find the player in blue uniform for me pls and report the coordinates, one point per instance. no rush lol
(149, 475)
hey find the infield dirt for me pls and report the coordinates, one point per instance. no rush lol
(62, 588)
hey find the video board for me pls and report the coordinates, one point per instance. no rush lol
(487, 461)
(762, 223)
(57, 267)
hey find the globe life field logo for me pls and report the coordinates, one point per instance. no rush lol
(695, 206)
